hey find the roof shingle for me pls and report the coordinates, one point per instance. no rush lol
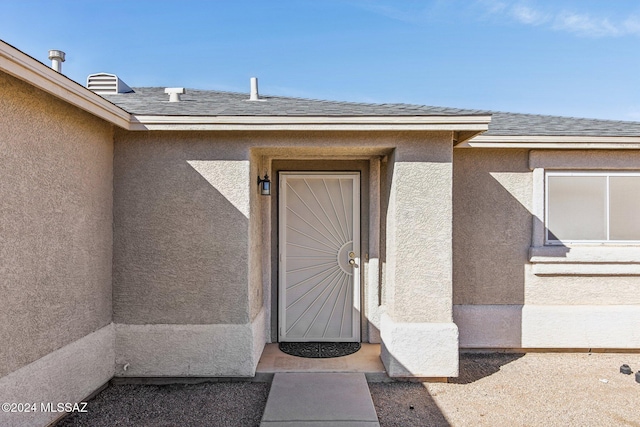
(153, 101)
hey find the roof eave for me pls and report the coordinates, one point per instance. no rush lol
(26, 68)
(474, 124)
(573, 142)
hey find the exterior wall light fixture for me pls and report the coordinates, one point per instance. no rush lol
(265, 185)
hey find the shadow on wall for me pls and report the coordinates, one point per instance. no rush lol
(492, 235)
(492, 225)
(180, 241)
(493, 228)
(386, 178)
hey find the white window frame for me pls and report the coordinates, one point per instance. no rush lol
(608, 175)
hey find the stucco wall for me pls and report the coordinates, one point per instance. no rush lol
(181, 229)
(491, 225)
(418, 231)
(55, 224)
(419, 338)
(182, 216)
(68, 374)
(494, 213)
(256, 298)
(190, 252)
(512, 291)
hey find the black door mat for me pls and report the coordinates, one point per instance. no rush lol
(318, 350)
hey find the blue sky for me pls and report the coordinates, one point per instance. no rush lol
(573, 58)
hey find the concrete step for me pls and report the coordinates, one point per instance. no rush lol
(366, 360)
(319, 399)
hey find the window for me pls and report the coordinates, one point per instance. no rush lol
(598, 207)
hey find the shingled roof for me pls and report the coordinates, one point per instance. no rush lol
(514, 124)
(153, 101)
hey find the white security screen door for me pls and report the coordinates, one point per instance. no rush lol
(319, 289)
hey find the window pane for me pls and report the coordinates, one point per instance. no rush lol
(624, 207)
(577, 207)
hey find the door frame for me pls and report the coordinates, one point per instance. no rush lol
(281, 262)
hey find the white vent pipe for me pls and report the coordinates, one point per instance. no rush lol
(174, 93)
(254, 89)
(57, 58)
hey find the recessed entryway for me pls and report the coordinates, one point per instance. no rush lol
(368, 171)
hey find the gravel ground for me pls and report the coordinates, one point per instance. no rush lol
(536, 389)
(230, 404)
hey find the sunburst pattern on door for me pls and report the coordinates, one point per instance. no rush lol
(318, 225)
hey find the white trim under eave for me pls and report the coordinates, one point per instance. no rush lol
(553, 142)
(312, 123)
(26, 68)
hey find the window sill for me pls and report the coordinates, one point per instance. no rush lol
(583, 260)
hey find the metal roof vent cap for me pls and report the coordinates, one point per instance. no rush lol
(174, 93)
(57, 58)
(105, 83)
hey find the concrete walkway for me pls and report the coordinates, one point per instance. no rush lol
(319, 399)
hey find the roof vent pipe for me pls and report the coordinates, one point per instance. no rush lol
(174, 93)
(254, 89)
(57, 58)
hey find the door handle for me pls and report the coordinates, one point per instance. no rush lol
(352, 261)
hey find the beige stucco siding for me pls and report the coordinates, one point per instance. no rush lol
(256, 241)
(419, 232)
(181, 224)
(419, 338)
(193, 241)
(582, 290)
(491, 225)
(512, 291)
(492, 234)
(187, 242)
(55, 224)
